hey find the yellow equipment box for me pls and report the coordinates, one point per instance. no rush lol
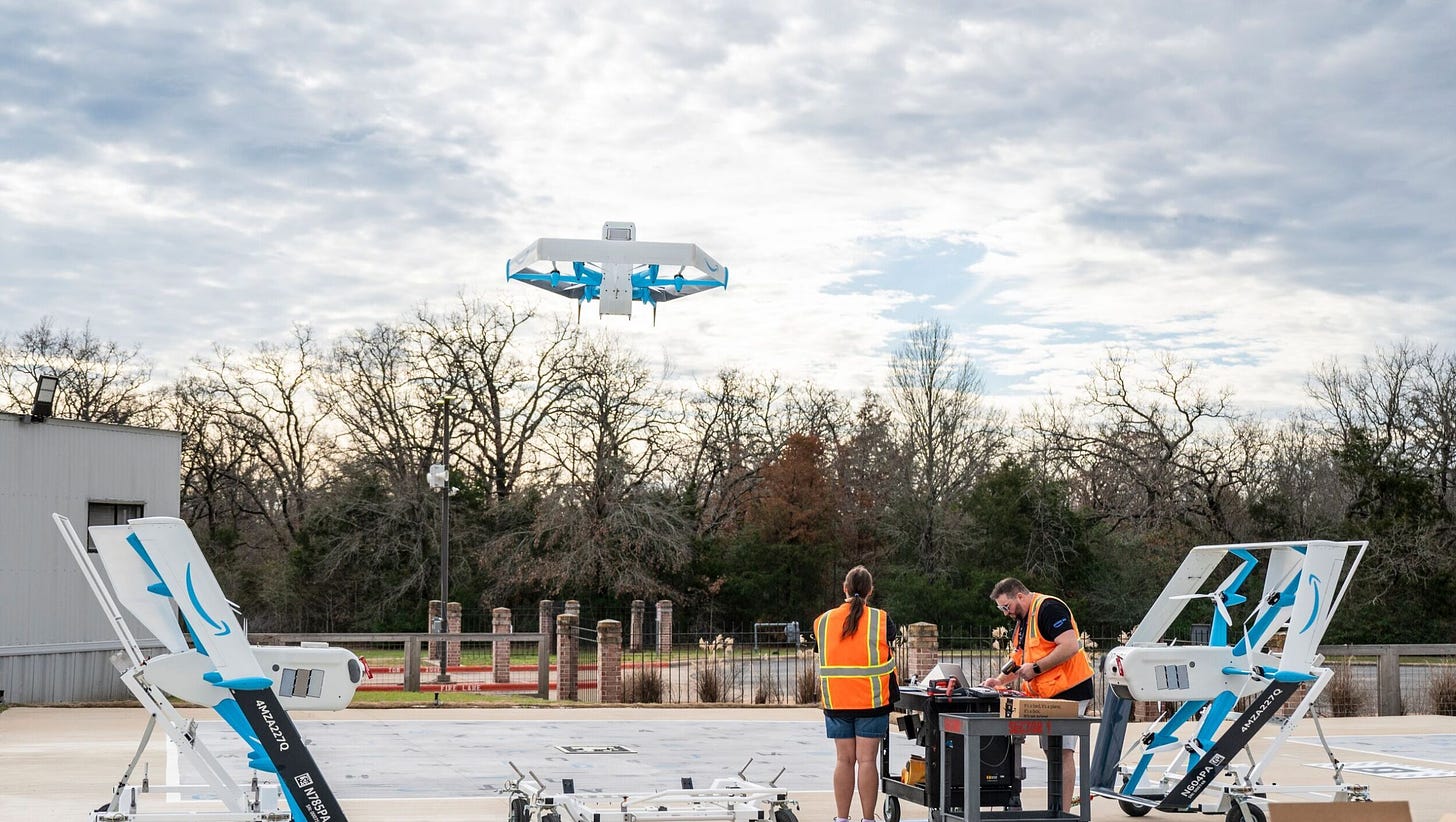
(914, 770)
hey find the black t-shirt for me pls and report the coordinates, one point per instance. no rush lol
(1053, 619)
(850, 713)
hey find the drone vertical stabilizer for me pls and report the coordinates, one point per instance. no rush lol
(137, 586)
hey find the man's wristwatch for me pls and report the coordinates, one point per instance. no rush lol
(1036, 667)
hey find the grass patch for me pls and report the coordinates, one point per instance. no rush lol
(1346, 696)
(806, 688)
(642, 686)
(1442, 691)
(768, 692)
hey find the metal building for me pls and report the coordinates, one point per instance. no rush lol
(55, 644)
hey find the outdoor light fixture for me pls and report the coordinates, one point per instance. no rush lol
(45, 396)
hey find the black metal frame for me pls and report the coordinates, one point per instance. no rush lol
(975, 727)
(922, 711)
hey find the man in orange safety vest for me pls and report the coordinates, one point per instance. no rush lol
(1047, 659)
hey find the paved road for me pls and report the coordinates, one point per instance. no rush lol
(444, 765)
(400, 756)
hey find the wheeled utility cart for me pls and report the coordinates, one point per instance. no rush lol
(978, 734)
(1000, 783)
(726, 800)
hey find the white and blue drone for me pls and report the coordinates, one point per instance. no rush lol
(1188, 760)
(155, 572)
(617, 270)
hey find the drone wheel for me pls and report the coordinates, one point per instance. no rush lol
(1236, 814)
(1133, 809)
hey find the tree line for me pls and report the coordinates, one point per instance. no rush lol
(585, 473)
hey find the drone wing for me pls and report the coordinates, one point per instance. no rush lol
(566, 288)
(663, 290)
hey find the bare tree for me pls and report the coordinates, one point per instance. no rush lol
(609, 521)
(1434, 418)
(1399, 406)
(216, 470)
(1390, 419)
(100, 381)
(506, 386)
(732, 427)
(736, 423)
(264, 404)
(1372, 400)
(1298, 490)
(819, 412)
(372, 388)
(1151, 452)
(380, 514)
(950, 435)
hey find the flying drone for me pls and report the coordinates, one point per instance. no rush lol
(617, 270)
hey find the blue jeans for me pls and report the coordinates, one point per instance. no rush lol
(868, 727)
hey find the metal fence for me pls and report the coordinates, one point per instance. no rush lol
(766, 667)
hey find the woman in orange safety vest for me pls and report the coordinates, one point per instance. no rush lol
(857, 690)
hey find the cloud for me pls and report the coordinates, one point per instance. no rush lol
(1255, 186)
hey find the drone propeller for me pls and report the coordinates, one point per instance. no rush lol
(1220, 603)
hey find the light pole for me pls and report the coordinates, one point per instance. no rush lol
(439, 479)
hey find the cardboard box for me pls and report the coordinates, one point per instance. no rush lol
(1339, 811)
(1026, 707)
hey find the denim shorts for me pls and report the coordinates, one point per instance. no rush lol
(849, 727)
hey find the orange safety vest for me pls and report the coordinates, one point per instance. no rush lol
(1050, 681)
(854, 673)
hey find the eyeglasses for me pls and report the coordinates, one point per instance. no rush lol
(1005, 608)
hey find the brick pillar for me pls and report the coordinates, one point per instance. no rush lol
(500, 650)
(922, 648)
(609, 660)
(664, 626)
(452, 648)
(566, 625)
(572, 607)
(546, 621)
(639, 614)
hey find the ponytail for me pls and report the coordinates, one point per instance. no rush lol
(858, 584)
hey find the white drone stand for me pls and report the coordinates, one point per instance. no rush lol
(727, 800)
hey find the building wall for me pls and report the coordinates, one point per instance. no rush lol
(54, 638)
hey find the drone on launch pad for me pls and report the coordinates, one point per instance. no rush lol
(1188, 761)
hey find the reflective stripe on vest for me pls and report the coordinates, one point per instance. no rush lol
(854, 672)
(1051, 681)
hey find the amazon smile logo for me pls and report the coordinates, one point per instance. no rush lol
(222, 628)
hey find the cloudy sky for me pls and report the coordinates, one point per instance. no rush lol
(1252, 186)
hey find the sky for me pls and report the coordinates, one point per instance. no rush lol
(1251, 187)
